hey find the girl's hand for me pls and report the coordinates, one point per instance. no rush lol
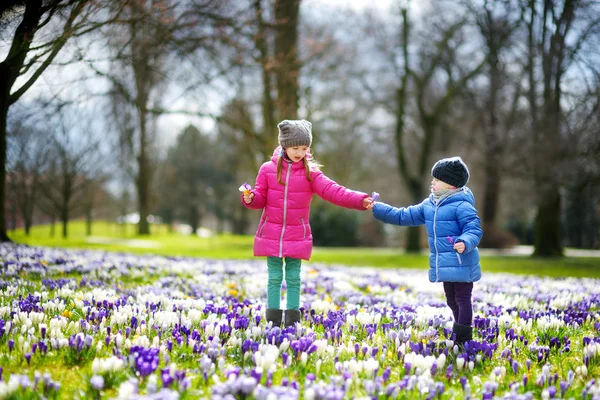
(459, 246)
(368, 203)
(248, 197)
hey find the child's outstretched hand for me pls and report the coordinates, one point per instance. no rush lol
(247, 190)
(459, 246)
(248, 197)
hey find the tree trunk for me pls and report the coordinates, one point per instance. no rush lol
(27, 227)
(286, 53)
(268, 107)
(194, 219)
(493, 148)
(88, 219)
(547, 226)
(413, 234)
(143, 178)
(4, 99)
(53, 226)
(65, 223)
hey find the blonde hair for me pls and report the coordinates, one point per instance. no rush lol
(310, 165)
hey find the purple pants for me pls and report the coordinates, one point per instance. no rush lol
(458, 297)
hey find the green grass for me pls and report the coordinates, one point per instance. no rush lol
(109, 236)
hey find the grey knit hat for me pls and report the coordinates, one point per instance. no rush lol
(295, 133)
(451, 170)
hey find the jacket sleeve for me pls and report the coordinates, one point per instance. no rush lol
(470, 226)
(337, 194)
(404, 216)
(260, 190)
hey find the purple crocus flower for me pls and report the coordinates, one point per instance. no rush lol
(386, 374)
(11, 345)
(97, 382)
(28, 357)
(564, 385)
(247, 385)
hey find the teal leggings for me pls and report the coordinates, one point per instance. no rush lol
(292, 281)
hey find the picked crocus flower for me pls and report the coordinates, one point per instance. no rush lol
(374, 196)
(245, 188)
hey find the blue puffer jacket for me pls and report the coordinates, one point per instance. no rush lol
(454, 219)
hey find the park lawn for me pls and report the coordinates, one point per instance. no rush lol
(109, 236)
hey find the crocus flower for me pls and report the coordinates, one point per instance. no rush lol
(245, 188)
(97, 382)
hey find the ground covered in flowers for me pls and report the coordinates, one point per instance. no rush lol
(86, 324)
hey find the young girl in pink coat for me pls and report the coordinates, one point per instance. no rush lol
(284, 189)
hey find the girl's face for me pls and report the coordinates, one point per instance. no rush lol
(296, 153)
(436, 185)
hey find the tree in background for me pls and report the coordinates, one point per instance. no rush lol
(193, 162)
(557, 33)
(495, 107)
(276, 46)
(74, 163)
(286, 57)
(27, 157)
(139, 51)
(418, 102)
(29, 56)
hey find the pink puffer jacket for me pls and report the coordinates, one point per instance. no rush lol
(284, 229)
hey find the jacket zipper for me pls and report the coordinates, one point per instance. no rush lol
(287, 180)
(303, 226)
(435, 242)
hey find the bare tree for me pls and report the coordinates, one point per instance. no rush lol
(286, 57)
(419, 103)
(27, 157)
(73, 165)
(557, 30)
(28, 57)
(495, 106)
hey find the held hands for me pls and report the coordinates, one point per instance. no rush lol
(369, 202)
(459, 247)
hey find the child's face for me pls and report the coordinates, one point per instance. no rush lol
(296, 153)
(436, 185)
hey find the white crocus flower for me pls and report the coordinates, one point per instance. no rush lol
(460, 363)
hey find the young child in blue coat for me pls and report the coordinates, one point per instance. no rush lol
(454, 231)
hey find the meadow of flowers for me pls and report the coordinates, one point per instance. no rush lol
(87, 324)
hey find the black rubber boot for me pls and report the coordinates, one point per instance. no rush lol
(464, 333)
(274, 315)
(291, 317)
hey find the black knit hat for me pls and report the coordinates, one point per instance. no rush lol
(451, 170)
